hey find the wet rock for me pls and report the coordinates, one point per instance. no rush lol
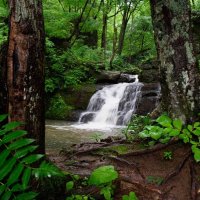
(87, 117)
(149, 98)
(150, 72)
(108, 77)
(127, 78)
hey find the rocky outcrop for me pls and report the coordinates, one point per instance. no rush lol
(79, 97)
(113, 77)
(108, 77)
(150, 72)
(149, 99)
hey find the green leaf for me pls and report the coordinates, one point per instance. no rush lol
(2, 189)
(47, 170)
(7, 168)
(144, 134)
(102, 175)
(151, 143)
(20, 143)
(6, 195)
(196, 124)
(186, 132)
(17, 188)
(190, 128)
(3, 156)
(32, 158)
(196, 132)
(156, 132)
(196, 152)
(125, 197)
(11, 125)
(3, 117)
(70, 185)
(165, 121)
(133, 196)
(24, 151)
(26, 196)
(184, 137)
(106, 193)
(156, 135)
(15, 174)
(177, 123)
(14, 135)
(167, 130)
(174, 132)
(165, 140)
(26, 178)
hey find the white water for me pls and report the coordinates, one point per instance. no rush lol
(112, 106)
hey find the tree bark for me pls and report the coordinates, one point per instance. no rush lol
(125, 19)
(178, 66)
(25, 67)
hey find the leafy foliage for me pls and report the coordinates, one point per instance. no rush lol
(58, 109)
(17, 163)
(131, 196)
(166, 128)
(3, 24)
(167, 155)
(101, 177)
(136, 125)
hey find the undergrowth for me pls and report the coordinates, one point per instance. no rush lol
(19, 163)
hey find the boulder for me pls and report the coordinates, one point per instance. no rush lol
(78, 97)
(150, 72)
(149, 98)
(126, 78)
(108, 76)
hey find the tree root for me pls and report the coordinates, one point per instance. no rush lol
(142, 185)
(193, 181)
(155, 148)
(97, 148)
(121, 160)
(178, 169)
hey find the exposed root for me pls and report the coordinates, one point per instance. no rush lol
(177, 170)
(121, 160)
(97, 148)
(155, 148)
(193, 182)
(149, 188)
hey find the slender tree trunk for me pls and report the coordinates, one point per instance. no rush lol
(122, 31)
(25, 67)
(178, 66)
(114, 49)
(104, 31)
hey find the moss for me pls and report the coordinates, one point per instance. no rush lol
(120, 149)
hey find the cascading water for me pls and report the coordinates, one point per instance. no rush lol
(114, 104)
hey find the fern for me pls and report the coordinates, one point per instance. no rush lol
(16, 163)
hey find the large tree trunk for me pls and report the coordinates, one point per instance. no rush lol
(178, 66)
(25, 67)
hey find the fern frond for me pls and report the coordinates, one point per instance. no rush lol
(16, 163)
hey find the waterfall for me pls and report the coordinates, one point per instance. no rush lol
(113, 104)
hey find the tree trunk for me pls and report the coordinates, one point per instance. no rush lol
(104, 32)
(25, 67)
(123, 31)
(178, 66)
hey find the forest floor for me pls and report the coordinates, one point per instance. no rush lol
(143, 170)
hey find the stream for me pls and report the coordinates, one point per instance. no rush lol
(61, 134)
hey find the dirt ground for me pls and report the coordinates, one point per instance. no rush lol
(142, 170)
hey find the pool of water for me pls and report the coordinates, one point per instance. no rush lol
(62, 134)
